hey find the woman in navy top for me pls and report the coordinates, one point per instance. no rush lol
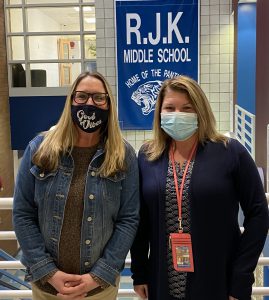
(220, 176)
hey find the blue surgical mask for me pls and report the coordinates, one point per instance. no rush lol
(179, 125)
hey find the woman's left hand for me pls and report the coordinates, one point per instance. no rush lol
(232, 298)
(78, 292)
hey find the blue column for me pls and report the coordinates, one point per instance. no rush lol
(246, 56)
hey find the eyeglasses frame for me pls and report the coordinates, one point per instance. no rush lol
(91, 95)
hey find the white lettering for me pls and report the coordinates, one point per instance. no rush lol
(87, 121)
(156, 72)
(169, 74)
(135, 29)
(172, 26)
(158, 31)
(145, 74)
(133, 80)
(173, 55)
(138, 56)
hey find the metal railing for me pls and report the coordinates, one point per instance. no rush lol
(245, 129)
(28, 293)
(6, 203)
(16, 264)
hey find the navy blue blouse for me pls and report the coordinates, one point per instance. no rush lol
(222, 178)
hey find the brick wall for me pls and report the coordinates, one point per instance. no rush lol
(6, 155)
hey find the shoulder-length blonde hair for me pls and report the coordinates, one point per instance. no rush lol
(61, 139)
(206, 120)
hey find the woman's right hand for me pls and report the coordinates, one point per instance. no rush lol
(61, 281)
(141, 290)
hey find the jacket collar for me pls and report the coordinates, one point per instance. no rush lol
(97, 160)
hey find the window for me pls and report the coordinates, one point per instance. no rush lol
(49, 42)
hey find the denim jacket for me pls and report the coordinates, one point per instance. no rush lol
(110, 215)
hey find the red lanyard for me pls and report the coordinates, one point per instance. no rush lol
(180, 192)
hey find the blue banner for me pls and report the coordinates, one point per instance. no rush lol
(26, 123)
(156, 40)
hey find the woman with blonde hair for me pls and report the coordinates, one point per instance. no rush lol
(76, 199)
(192, 181)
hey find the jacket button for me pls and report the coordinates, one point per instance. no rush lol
(86, 263)
(91, 196)
(87, 242)
(41, 175)
(93, 173)
(89, 219)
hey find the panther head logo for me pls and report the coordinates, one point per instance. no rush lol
(146, 94)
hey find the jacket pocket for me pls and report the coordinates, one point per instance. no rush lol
(40, 175)
(112, 187)
(43, 183)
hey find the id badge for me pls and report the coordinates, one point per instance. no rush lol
(182, 252)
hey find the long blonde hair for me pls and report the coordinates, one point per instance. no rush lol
(61, 139)
(206, 120)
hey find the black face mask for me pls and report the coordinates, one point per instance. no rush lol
(89, 118)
